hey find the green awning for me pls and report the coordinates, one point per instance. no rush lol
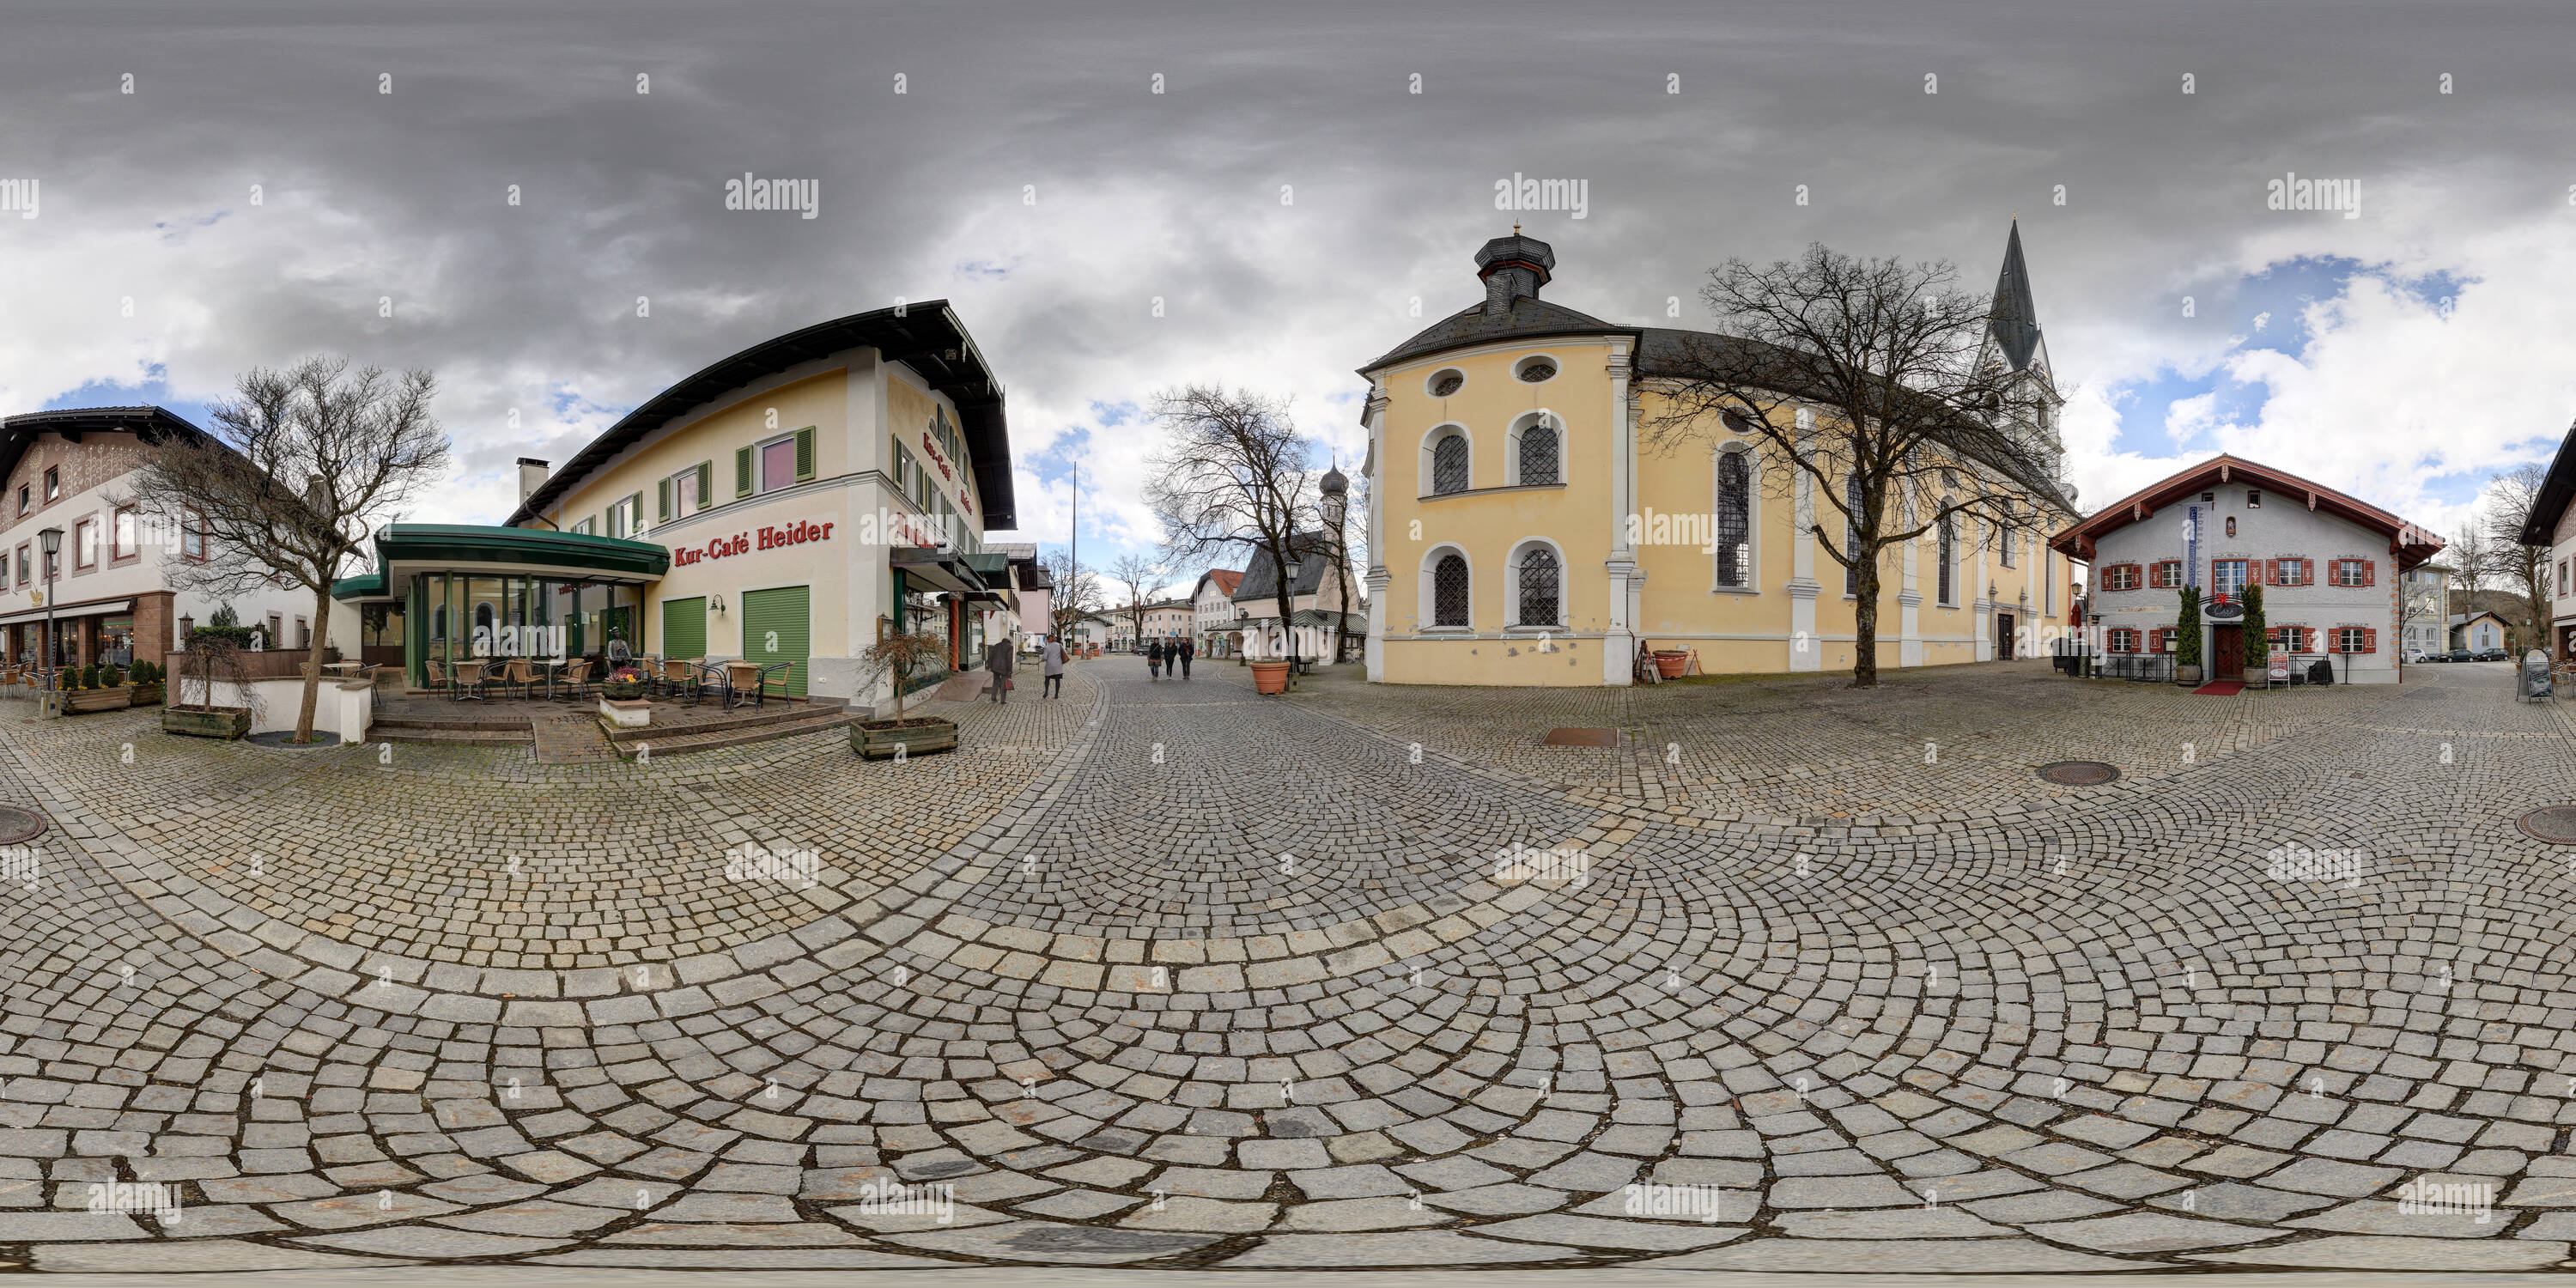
(403, 549)
(366, 585)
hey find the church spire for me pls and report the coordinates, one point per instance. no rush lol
(2015, 325)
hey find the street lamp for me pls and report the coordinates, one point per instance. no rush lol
(52, 538)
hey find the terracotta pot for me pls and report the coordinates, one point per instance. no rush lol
(1671, 662)
(1270, 677)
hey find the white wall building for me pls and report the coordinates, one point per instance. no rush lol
(2553, 524)
(2329, 566)
(2424, 596)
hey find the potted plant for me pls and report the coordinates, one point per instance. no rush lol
(214, 656)
(896, 658)
(1270, 677)
(625, 684)
(2187, 638)
(96, 689)
(1670, 661)
(2258, 650)
(145, 682)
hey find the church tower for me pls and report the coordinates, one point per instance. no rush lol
(2013, 337)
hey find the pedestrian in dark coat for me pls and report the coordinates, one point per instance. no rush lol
(1188, 648)
(999, 660)
(1153, 659)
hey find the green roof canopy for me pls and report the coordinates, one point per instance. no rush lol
(406, 548)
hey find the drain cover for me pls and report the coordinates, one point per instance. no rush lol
(1580, 738)
(17, 824)
(2078, 773)
(2555, 824)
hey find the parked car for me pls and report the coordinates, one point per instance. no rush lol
(2458, 655)
(2493, 655)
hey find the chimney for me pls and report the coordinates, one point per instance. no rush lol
(1512, 267)
(532, 475)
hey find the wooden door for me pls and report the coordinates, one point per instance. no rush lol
(2226, 652)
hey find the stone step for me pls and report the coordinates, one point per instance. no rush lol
(382, 731)
(733, 735)
(457, 723)
(773, 713)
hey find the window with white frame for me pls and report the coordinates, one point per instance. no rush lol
(1537, 453)
(1852, 510)
(1449, 464)
(1946, 547)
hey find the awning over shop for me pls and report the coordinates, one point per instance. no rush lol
(937, 568)
(403, 549)
(65, 612)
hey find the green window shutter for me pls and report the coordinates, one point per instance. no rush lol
(776, 628)
(742, 471)
(662, 501)
(706, 484)
(684, 628)
(805, 453)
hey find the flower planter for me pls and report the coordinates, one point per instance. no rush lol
(2186, 674)
(81, 701)
(877, 739)
(1270, 677)
(1670, 662)
(203, 722)
(625, 692)
(148, 693)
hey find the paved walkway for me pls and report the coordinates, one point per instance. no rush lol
(1170, 976)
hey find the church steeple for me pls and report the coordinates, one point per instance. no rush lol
(2015, 326)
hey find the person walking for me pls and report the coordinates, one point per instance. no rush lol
(999, 660)
(1153, 659)
(1187, 649)
(1054, 665)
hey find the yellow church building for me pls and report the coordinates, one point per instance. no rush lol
(1519, 537)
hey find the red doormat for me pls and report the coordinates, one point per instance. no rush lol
(2222, 688)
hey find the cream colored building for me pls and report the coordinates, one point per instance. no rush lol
(1521, 535)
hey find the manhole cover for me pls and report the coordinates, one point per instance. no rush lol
(286, 738)
(18, 824)
(2555, 824)
(2078, 773)
(1580, 738)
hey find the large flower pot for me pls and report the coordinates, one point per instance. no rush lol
(1670, 662)
(1270, 677)
(79, 701)
(146, 693)
(621, 690)
(218, 722)
(2186, 674)
(877, 739)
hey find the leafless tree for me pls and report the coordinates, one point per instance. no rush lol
(1867, 384)
(2472, 557)
(1231, 477)
(2510, 497)
(1076, 593)
(301, 465)
(1142, 579)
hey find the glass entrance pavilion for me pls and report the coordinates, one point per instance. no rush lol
(454, 592)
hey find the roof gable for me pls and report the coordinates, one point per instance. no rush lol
(2412, 545)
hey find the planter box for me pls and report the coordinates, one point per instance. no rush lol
(612, 691)
(147, 694)
(219, 722)
(634, 713)
(81, 701)
(877, 739)
(2186, 675)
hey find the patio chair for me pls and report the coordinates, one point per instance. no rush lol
(783, 670)
(518, 671)
(741, 684)
(678, 675)
(575, 676)
(470, 681)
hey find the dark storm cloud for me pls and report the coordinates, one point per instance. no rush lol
(370, 196)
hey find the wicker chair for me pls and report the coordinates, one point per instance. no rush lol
(521, 672)
(575, 676)
(678, 675)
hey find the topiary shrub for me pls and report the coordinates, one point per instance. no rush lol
(89, 677)
(108, 676)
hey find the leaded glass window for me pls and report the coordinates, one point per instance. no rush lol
(1538, 454)
(1734, 521)
(1949, 549)
(1449, 591)
(1449, 465)
(1851, 534)
(1538, 587)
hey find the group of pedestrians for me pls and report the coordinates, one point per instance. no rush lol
(1176, 655)
(1001, 661)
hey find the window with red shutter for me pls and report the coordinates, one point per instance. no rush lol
(2369, 573)
(2369, 639)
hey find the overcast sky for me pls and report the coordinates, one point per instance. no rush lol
(1289, 198)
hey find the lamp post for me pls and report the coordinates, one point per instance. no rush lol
(52, 539)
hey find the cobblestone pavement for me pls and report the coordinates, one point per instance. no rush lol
(1168, 976)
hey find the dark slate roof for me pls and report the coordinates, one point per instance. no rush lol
(925, 336)
(2556, 489)
(1529, 315)
(1261, 580)
(151, 424)
(2016, 319)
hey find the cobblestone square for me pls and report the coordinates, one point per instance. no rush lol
(1174, 977)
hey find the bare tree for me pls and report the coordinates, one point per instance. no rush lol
(1076, 592)
(2510, 497)
(302, 464)
(1231, 477)
(1142, 578)
(2472, 557)
(1867, 384)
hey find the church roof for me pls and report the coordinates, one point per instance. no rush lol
(1261, 580)
(1528, 315)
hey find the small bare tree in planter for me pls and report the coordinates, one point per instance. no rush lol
(214, 656)
(896, 658)
(301, 465)
(1232, 477)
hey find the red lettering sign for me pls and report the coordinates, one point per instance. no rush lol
(769, 538)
